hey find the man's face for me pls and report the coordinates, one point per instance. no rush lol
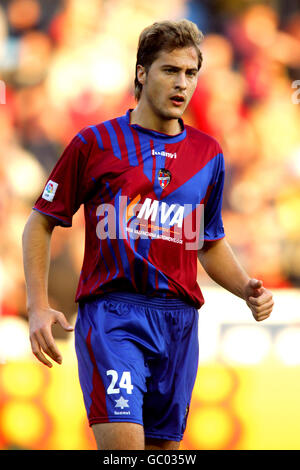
(170, 82)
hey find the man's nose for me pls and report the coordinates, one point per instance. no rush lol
(180, 81)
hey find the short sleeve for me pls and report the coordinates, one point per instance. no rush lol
(66, 187)
(213, 223)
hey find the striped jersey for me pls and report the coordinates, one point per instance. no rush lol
(150, 200)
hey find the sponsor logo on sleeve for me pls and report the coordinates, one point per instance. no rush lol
(49, 191)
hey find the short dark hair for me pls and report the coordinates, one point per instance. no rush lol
(167, 36)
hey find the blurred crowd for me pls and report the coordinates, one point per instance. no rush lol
(66, 64)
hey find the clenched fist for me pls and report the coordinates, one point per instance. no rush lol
(259, 300)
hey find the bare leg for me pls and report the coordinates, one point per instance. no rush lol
(161, 444)
(119, 436)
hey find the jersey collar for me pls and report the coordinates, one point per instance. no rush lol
(167, 138)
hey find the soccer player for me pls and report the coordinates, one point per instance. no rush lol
(146, 180)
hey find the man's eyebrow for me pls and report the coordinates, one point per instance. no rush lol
(174, 67)
(169, 66)
(192, 69)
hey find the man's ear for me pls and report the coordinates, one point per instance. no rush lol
(141, 74)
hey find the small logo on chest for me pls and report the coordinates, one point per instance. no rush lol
(164, 154)
(164, 177)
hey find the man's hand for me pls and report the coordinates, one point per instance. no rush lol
(259, 300)
(42, 341)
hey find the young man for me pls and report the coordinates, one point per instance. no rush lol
(142, 178)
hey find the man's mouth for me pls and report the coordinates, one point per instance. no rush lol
(177, 100)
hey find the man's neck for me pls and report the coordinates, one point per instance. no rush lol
(142, 116)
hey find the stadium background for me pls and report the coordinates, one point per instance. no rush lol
(67, 64)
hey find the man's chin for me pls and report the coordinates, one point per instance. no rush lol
(173, 114)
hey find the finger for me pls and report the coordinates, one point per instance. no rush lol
(255, 283)
(261, 317)
(264, 307)
(52, 349)
(257, 292)
(255, 301)
(43, 344)
(64, 322)
(262, 299)
(255, 288)
(265, 313)
(36, 350)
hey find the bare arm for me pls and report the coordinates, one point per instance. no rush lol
(36, 259)
(220, 263)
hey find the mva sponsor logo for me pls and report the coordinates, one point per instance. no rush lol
(172, 214)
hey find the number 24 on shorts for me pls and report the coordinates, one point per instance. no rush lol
(125, 382)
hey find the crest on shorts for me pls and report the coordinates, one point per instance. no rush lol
(164, 177)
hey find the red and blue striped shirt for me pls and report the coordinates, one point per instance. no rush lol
(144, 193)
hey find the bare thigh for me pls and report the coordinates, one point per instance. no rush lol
(119, 436)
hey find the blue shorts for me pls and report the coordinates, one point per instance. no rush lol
(137, 361)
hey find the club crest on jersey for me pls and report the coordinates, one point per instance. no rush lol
(164, 177)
